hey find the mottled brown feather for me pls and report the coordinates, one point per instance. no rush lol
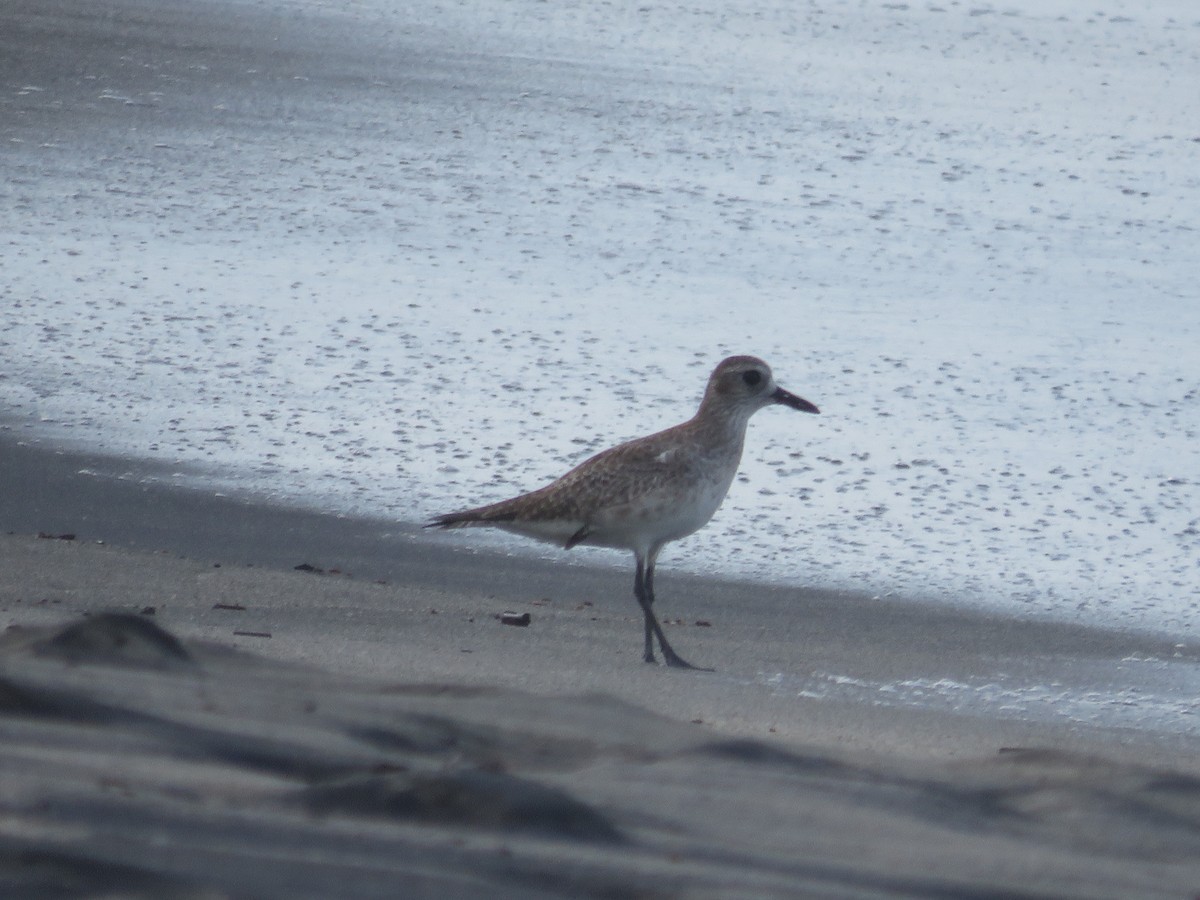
(646, 479)
(617, 476)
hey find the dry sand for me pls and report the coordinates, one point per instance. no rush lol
(185, 714)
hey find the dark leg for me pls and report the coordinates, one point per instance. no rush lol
(648, 588)
(643, 588)
(644, 601)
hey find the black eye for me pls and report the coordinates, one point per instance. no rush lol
(752, 378)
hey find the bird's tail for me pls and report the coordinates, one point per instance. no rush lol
(482, 515)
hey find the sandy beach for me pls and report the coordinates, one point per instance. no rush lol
(283, 278)
(187, 714)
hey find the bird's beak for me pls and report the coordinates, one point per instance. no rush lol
(789, 399)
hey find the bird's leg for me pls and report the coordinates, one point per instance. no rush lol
(648, 590)
(644, 589)
(644, 601)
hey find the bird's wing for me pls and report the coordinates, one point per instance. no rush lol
(621, 475)
(614, 477)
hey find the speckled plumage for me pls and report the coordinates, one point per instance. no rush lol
(646, 492)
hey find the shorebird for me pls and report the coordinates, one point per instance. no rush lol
(641, 494)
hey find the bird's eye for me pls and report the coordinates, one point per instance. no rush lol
(752, 378)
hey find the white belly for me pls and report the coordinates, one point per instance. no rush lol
(660, 516)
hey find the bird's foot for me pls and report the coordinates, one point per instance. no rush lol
(675, 661)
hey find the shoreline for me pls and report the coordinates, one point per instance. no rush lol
(303, 734)
(59, 485)
(793, 663)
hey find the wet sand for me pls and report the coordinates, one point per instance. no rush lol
(374, 727)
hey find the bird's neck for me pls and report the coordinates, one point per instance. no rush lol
(720, 426)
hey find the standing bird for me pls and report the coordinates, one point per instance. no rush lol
(641, 494)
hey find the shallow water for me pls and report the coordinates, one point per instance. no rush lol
(1140, 693)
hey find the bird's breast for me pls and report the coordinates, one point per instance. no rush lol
(673, 509)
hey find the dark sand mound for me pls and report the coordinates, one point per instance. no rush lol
(115, 639)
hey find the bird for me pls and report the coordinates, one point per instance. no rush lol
(644, 493)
